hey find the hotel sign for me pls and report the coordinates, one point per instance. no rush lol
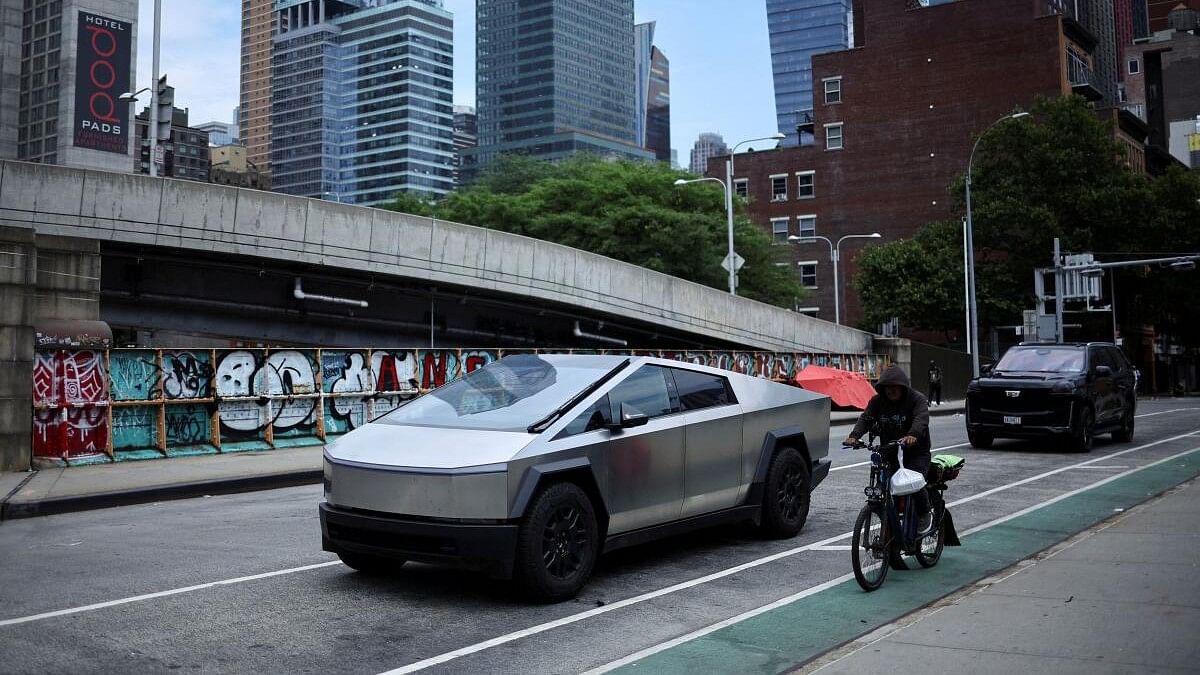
(102, 70)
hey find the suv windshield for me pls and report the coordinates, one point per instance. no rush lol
(1042, 360)
(507, 395)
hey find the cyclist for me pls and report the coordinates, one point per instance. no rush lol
(900, 413)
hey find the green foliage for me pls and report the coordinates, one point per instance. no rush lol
(630, 211)
(919, 280)
(1058, 173)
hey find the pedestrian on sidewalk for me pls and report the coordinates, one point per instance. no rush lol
(935, 383)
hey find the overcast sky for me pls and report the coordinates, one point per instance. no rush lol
(720, 61)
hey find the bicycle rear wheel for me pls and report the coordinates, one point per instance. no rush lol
(869, 549)
(931, 546)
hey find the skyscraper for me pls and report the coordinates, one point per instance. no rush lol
(254, 111)
(553, 78)
(63, 66)
(362, 99)
(708, 145)
(798, 30)
(653, 94)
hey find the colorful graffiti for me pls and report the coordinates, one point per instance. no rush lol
(152, 402)
(70, 399)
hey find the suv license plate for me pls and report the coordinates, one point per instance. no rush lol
(1009, 419)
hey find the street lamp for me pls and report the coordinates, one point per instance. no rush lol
(131, 97)
(972, 305)
(726, 189)
(835, 255)
(729, 202)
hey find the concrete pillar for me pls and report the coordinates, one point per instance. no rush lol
(42, 278)
(18, 276)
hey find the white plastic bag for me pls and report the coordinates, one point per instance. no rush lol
(906, 482)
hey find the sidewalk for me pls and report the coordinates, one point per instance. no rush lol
(1121, 597)
(60, 490)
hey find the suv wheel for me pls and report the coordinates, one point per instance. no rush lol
(558, 543)
(1081, 434)
(980, 440)
(1125, 433)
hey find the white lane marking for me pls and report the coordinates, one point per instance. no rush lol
(162, 594)
(833, 548)
(650, 651)
(1164, 412)
(1110, 468)
(574, 618)
(851, 466)
(1002, 488)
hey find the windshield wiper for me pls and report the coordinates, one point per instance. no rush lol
(540, 425)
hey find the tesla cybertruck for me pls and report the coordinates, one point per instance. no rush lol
(533, 465)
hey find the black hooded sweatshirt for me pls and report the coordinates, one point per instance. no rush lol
(894, 420)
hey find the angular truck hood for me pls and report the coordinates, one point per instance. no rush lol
(396, 445)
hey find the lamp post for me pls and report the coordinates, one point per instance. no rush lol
(729, 202)
(152, 127)
(835, 255)
(972, 305)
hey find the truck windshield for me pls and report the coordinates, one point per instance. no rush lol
(507, 395)
(1042, 360)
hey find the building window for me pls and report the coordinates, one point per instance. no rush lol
(779, 230)
(1135, 67)
(833, 136)
(741, 188)
(808, 273)
(779, 188)
(808, 226)
(833, 90)
(805, 185)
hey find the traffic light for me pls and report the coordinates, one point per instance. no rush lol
(166, 107)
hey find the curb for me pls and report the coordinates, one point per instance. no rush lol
(45, 507)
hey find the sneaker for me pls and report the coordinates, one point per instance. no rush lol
(926, 522)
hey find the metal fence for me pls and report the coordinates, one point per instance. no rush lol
(120, 404)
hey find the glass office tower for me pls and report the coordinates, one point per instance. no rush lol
(553, 78)
(799, 29)
(362, 99)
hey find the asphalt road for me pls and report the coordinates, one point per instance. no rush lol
(238, 583)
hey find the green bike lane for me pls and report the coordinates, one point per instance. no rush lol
(794, 630)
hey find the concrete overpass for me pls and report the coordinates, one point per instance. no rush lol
(203, 276)
(197, 221)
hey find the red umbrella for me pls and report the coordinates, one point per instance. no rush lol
(844, 387)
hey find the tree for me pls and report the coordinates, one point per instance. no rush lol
(1059, 173)
(630, 211)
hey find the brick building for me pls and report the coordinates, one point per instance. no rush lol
(895, 119)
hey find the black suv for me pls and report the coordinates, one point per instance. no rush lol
(1069, 390)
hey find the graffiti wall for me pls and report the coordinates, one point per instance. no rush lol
(141, 403)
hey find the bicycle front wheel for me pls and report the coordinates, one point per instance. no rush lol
(869, 549)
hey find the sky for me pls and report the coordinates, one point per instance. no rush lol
(720, 61)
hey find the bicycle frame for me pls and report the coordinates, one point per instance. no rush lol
(902, 520)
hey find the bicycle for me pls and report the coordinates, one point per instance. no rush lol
(886, 527)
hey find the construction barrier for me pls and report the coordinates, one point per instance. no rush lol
(118, 404)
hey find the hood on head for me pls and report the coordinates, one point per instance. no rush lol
(894, 374)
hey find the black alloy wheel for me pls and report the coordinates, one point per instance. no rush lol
(558, 543)
(1082, 435)
(1125, 433)
(787, 496)
(979, 440)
